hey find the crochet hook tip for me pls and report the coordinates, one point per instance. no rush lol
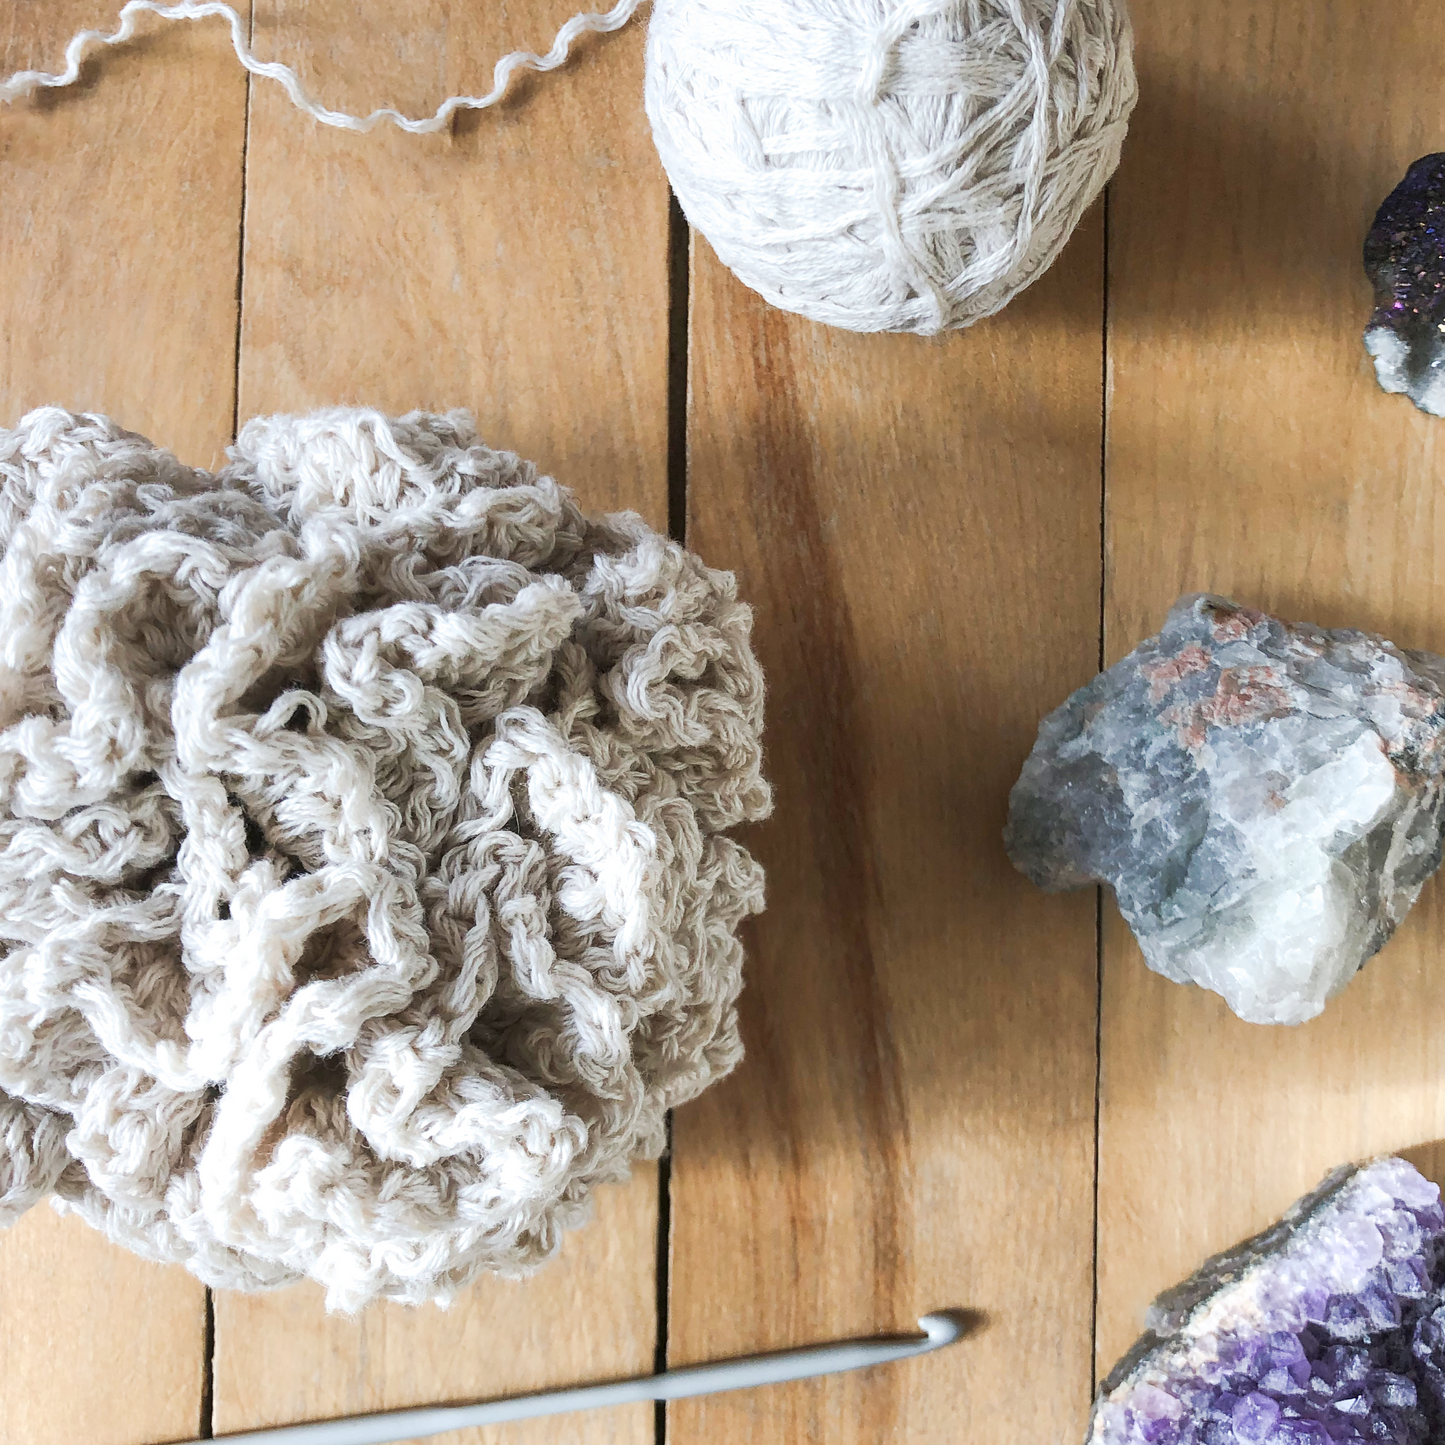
(943, 1327)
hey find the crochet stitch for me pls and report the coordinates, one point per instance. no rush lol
(364, 893)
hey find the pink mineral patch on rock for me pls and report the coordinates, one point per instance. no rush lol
(1243, 695)
(1232, 624)
(1161, 676)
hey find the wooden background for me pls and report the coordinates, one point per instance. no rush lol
(959, 1092)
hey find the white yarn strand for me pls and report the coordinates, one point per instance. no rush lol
(365, 893)
(26, 81)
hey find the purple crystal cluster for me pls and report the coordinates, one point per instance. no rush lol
(1327, 1328)
(1405, 261)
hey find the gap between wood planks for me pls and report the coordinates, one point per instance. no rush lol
(207, 1423)
(679, 255)
(1098, 890)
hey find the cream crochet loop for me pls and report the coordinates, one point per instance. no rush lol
(888, 165)
(365, 898)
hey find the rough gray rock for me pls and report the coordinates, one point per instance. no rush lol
(1264, 798)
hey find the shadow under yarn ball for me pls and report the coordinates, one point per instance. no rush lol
(883, 165)
(365, 893)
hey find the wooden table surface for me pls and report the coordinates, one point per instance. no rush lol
(958, 1091)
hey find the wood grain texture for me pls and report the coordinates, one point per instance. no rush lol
(1251, 453)
(517, 267)
(280, 1357)
(917, 525)
(119, 210)
(120, 202)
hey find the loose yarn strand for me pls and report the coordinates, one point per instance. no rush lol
(24, 82)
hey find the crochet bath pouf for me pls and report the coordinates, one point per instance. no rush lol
(365, 893)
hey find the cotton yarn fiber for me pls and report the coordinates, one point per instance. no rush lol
(888, 165)
(365, 898)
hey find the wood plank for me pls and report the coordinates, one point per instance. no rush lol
(119, 232)
(119, 248)
(916, 523)
(517, 267)
(588, 1315)
(1250, 453)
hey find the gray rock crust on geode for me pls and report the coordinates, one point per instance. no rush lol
(1327, 1327)
(1405, 261)
(1264, 798)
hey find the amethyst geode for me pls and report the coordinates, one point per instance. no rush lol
(1328, 1327)
(1266, 799)
(1405, 261)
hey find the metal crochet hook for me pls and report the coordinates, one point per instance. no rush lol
(939, 1329)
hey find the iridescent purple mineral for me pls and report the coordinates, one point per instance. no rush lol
(1266, 799)
(1405, 261)
(1329, 1327)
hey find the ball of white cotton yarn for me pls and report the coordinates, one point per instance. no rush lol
(366, 896)
(888, 165)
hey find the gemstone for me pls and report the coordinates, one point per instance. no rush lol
(1264, 797)
(1405, 261)
(1301, 1334)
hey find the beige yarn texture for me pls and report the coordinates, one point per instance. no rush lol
(365, 898)
(888, 165)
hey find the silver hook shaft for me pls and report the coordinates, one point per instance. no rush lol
(939, 1329)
